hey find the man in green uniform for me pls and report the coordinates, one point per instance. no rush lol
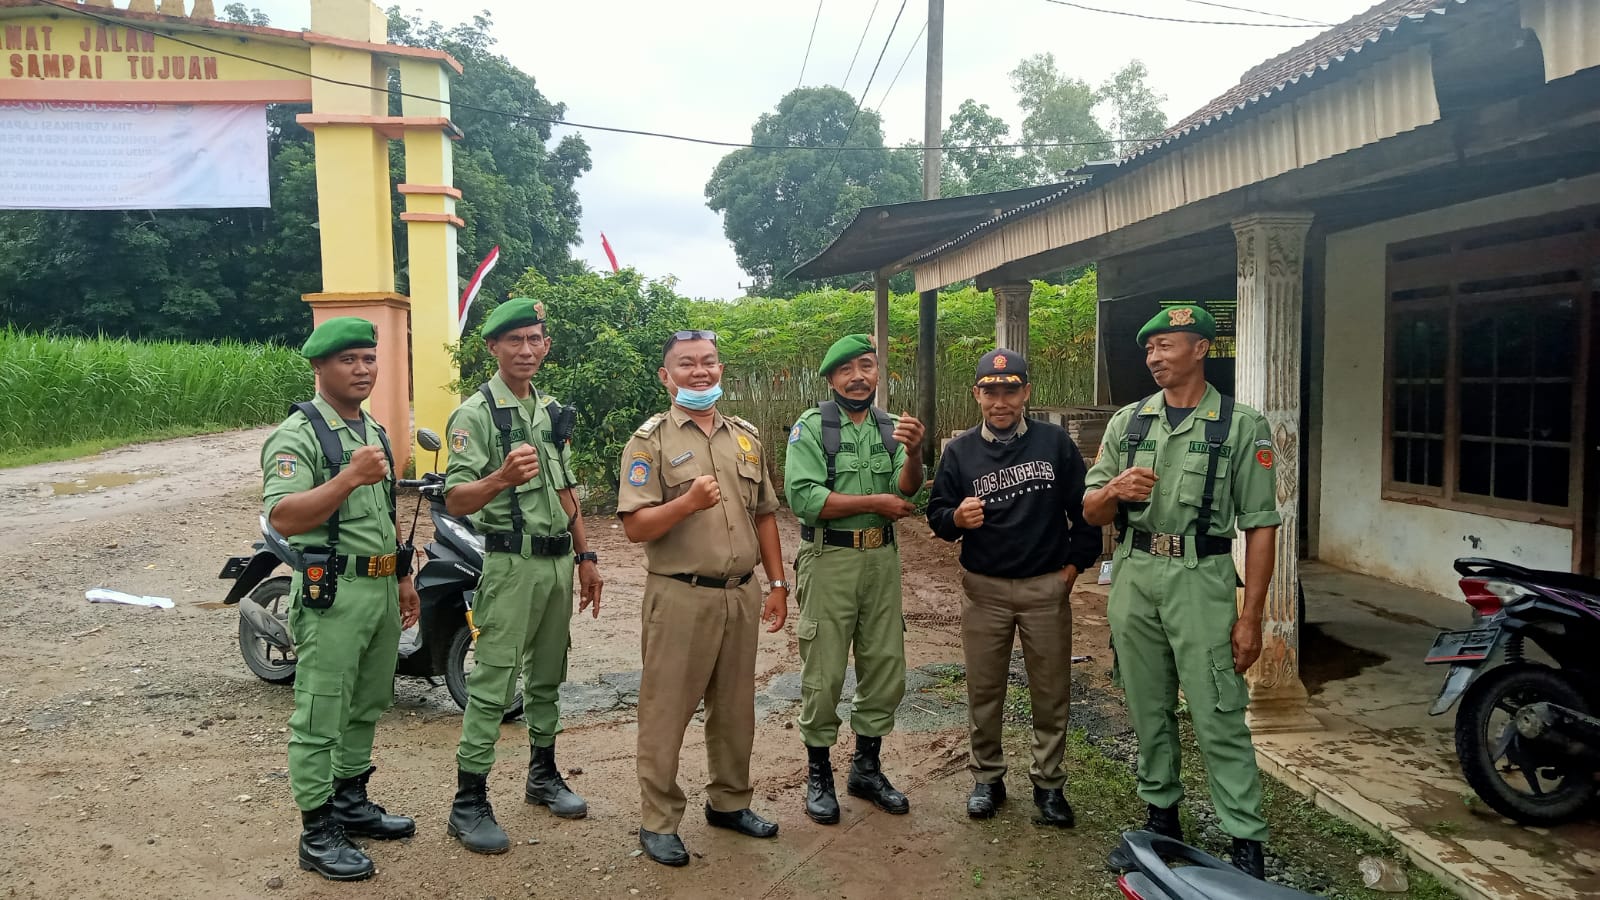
(510, 473)
(328, 486)
(1180, 472)
(695, 493)
(848, 482)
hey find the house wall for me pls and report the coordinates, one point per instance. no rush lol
(1359, 530)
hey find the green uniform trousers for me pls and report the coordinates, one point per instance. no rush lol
(523, 611)
(343, 681)
(1171, 625)
(849, 598)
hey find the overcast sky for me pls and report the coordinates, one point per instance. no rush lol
(709, 68)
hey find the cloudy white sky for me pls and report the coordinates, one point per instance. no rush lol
(710, 67)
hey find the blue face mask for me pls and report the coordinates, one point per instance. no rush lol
(699, 401)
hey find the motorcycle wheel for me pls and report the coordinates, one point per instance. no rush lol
(460, 663)
(1518, 779)
(267, 661)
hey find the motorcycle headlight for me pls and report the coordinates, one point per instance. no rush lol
(465, 534)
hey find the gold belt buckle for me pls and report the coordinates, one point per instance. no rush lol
(1166, 544)
(871, 538)
(381, 566)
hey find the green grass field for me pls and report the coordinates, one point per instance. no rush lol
(68, 397)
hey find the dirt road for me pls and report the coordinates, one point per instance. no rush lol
(141, 758)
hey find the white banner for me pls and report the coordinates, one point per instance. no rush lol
(132, 156)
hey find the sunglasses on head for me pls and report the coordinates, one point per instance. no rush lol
(690, 336)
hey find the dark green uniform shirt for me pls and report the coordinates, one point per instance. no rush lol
(292, 461)
(475, 451)
(863, 466)
(1246, 492)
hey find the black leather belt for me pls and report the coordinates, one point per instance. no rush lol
(720, 583)
(542, 544)
(367, 566)
(865, 539)
(1174, 545)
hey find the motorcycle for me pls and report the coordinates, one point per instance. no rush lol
(1200, 876)
(1526, 734)
(439, 645)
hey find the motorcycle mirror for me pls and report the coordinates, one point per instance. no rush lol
(428, 440)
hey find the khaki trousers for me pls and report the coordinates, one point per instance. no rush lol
(698, 643)
(996, 609)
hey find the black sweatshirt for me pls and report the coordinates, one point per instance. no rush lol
(1032, 492)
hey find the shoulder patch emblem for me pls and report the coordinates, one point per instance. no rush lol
(638, 473)
(794, 433)
(286, 465)
(1264, 457)
(458, 439)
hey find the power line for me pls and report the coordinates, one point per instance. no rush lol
(1260, 12)
(1134, 15)
(548, 120)
(801, 80)
(909, 50)
(859, 43)
(859, 103)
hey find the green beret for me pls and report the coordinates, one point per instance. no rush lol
(339, 334)
(845, 349)
(1188, 317)
(518, 312)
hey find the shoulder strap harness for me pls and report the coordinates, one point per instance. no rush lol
(1216, 436)
(831, 423)
(502, 424)
(333, 457)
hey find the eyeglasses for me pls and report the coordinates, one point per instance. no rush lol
(689, 336)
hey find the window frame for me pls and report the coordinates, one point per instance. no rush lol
(1452, 259)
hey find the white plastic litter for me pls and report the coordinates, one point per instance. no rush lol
(106, 595)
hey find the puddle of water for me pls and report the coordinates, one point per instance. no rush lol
(97, 480)
(1324, 658)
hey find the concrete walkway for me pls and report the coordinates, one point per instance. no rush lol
(1384, 764)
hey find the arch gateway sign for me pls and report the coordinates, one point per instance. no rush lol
(144, 105)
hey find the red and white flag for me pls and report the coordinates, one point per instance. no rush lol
(471, 292)
(609, 253)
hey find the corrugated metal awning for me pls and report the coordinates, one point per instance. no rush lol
(883, 235)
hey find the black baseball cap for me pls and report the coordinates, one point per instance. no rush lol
(1002, 367)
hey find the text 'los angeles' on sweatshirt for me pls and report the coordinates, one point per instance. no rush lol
(1032, 493)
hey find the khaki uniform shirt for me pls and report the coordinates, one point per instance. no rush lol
(1246, 492)
(292, 461)
(475, 452)
(660, 464)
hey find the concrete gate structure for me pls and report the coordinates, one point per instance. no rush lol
(91, 52)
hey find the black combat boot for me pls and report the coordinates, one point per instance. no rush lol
(1247, 858)
(363, 818)
(867, 780)
(822, 804)
(986, 799)
(1054, 810)
(325, 850)
(547, 788)
(1162, 821)
(472, 818)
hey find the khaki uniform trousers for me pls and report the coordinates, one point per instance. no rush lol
(993, 612)
(698, 643)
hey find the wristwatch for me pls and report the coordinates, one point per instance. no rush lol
(586, 556)
(777, 583)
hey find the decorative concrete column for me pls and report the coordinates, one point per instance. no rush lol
(1011, 316)
(1271, 279)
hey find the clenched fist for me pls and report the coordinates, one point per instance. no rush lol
(368, 466)
(521, 466)
(1133, 485)
(704, 493)
(969, 514)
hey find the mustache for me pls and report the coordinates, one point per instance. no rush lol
(857, 383)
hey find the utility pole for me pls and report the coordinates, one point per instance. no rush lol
(932, 159)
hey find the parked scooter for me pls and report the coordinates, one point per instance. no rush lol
(1200, 876)
(1526, 734)
(439, 645)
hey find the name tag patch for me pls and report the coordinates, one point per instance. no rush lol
(682, 458)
